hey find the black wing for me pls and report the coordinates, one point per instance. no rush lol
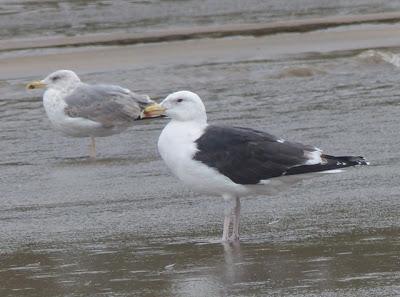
(248, 156)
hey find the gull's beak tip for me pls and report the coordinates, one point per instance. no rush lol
(35, 85)
(153, 110)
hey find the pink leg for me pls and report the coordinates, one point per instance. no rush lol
(232, 213)
(225, 233)
(236, 217)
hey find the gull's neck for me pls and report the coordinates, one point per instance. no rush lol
(177, 137)
(186, 129)
(198, 122)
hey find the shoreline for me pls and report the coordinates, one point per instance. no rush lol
(261, 29)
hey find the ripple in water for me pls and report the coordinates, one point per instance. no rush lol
(299, 71)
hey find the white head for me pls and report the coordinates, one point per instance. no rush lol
(61, 80)
(184, 106)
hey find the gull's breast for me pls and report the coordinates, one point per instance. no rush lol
(54, 106)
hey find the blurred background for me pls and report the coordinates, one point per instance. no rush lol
(122, 225)
(28, 18)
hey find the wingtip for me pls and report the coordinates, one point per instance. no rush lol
(361, 161)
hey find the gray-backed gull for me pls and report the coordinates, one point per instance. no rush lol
(81, 110)
(233, 161)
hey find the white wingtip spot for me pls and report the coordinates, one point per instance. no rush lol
(280, 140)
(314, 157)
(264, 182)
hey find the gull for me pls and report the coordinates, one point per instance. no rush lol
(232, 162)
(79, 109)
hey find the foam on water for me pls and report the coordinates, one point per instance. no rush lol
(379, 56)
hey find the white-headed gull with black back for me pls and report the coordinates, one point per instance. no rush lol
(233, 161)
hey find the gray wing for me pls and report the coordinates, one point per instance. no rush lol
(109, 105)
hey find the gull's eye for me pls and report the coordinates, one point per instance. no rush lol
(179, 100)
(55, 78)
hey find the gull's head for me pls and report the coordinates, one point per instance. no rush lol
(61, 80)
(180, 106)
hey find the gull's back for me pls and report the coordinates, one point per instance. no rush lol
(109, 105)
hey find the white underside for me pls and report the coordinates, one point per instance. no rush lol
(277, 184)
(177, 148)
(54, 106)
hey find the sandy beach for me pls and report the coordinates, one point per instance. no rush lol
(74, 52)
(122, 225)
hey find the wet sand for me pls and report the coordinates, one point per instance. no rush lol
(124, 226)
(259, 29)
(31, 18)
(94, 59)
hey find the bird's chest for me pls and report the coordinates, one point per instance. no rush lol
(177, 147)
(54, 107)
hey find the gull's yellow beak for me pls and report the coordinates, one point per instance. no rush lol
(35, 85)
(154, 110)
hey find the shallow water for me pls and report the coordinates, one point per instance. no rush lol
(27, 18)
(123, 226)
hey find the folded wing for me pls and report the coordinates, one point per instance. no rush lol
(249, 156)
(109, 105)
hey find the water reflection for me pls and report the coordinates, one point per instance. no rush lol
(127, 264)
